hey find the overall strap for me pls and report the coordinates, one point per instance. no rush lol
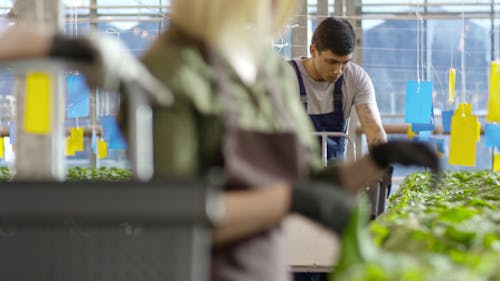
(302, 89)
(337, 100)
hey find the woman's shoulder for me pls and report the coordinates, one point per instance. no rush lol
(180, 66)
(169, 60)
(279, 68)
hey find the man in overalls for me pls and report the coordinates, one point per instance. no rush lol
(330, 86)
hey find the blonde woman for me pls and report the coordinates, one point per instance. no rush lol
(236, 108)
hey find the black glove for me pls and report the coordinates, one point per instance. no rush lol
(323, 203)
(406, 153)
(75, 49)
(386, 183)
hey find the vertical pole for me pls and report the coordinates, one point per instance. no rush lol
(353, 11)
(493, 46)
(322, 7)
(299, 34)
(40, 157)
(338, 8)
(426, 49)
(93, 98)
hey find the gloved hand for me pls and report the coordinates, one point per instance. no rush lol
(386, 182)
(323, 203)
(406, 153)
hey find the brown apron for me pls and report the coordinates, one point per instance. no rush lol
(252, 160)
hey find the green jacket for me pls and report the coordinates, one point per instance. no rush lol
(188, 133)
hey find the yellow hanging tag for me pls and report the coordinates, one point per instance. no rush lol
(77, 138)
(494, 98)
(496, 162)
(451, 84)
(478, 130)
(464, 109)
(38, 103)
(69, 147)
(2, 147)
(462, 142)
(102, 149)
(439, 154)
(409, 132)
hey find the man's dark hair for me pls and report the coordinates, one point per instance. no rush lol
(336, 35)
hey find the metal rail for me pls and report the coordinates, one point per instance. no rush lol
(351, 146)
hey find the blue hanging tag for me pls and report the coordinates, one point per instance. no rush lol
(12, 133)
(423, 127)
(439, 145)
(417, 127)
(492, 135)
(111, 133)
(418, 102)
(77, 96)
(424, 136)
(93, 142)
(446, 116)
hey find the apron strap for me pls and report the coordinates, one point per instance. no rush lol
(222, 82)
(277, 101)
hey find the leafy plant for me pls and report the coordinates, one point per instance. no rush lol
(447, 233)
(78, 173)
(4, 174)
(99, 174)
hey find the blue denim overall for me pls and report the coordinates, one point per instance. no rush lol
(327, 122)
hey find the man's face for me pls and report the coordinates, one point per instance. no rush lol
(329, 66)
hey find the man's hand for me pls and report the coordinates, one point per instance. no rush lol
(406, 153)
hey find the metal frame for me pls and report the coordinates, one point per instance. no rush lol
(83, 231)
(140, 118)
(107, 231)
(351, 145)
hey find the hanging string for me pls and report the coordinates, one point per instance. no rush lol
(452, 41)
(462, 43)
(497, 49)
(418, 43)
(420, 47)
(451, 91)
(75, 15)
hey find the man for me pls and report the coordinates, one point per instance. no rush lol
(331, 85)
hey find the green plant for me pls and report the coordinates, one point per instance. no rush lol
(447, 233)
(78, 173)
(98, 174)
(5, 174)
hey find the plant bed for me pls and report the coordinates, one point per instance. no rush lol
(451, 232)
(90, 174)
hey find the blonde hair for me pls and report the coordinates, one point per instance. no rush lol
(232, 24)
